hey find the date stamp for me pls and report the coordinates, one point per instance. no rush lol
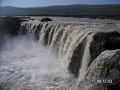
(103, 81)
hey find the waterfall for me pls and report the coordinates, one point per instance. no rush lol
(27, 64)
(53, 55)
(62, 40)
(71, 43)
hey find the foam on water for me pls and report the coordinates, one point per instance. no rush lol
(27, 65)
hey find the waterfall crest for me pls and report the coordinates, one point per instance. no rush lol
(59, 55)
(75, 45)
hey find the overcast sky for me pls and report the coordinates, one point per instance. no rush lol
(34, 3)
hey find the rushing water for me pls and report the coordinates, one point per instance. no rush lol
(26, 65)
(53, 55)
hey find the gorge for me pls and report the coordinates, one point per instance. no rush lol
(63, 54)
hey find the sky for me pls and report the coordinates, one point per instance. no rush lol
(36, 3)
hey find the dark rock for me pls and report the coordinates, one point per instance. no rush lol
(104, 41)
(10, 25)
(101, 41)
(46, 19)
(103, 73)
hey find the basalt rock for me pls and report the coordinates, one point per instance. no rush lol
(101, 41)
(103, 73)
(10, 25)
(104, 41)
(46, 19)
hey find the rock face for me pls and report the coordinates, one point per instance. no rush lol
(104, 41)
(103, 73)
(9, 25)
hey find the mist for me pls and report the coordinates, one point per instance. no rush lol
(26, 64)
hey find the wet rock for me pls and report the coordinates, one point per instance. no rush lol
(46, 19)
(103, 73)
(10, 25)
(100, 42)
(104, 41)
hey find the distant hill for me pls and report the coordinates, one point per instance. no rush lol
(65, 10)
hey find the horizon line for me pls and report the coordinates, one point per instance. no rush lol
(58, 5)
